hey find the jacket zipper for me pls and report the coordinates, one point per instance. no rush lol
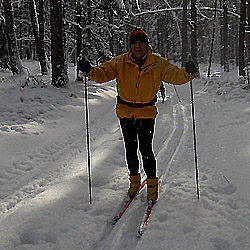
(140, 70)
(148, 65)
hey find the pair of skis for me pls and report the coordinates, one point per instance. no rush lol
(146, 216)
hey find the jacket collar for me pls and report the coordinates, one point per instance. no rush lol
(149, 63)
(140, 62)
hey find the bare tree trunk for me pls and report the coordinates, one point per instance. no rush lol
(4, 58)
(36, 31)
(43, 59)
(111, 36)
(212, 42)
(109, 15)
(248, 30)
(58, 61)
(111, 32)
(78, 36)
(242, 38)
(221, 37)
(225, 35)
(160, 34)
(89, 16)
(194, 45)
(166, 36)
(184, 34)
(15, 63)
(20, 43)
(236, 43)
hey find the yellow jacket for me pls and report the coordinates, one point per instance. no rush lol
(138, 86)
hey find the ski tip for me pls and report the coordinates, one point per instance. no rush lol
(115, 219)
(140, 232)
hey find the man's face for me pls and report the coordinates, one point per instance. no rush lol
(139, 49)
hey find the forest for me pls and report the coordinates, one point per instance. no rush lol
(57, 32)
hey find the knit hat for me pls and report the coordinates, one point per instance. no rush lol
(138, 35)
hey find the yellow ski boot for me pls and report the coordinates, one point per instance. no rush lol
(135, 182)
(152, 189)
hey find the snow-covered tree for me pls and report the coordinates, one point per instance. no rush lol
(99, 29)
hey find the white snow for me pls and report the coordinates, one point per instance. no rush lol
(44, 196)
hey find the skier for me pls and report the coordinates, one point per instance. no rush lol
(138, 74)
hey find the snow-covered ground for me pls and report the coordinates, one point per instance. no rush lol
(44, 197)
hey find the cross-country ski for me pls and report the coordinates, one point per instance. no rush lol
(127, 204)
(146, 218)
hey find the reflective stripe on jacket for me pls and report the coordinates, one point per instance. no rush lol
(137, 85)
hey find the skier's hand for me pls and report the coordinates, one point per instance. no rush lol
(84, 66)
(190, 67)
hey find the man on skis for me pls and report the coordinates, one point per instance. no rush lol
(138, 74)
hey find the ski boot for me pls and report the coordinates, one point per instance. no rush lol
(135, 182)
(152, 189)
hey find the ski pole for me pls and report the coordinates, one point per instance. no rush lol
(195, 143)
(179, 99)
(88, 140)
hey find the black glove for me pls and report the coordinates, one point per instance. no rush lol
(190, 67)
(84, 66)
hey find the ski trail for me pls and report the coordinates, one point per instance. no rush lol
(124, 234)
(46, 163)
(60, 154)
(168, 152)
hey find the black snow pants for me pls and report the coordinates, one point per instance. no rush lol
(139, 132)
